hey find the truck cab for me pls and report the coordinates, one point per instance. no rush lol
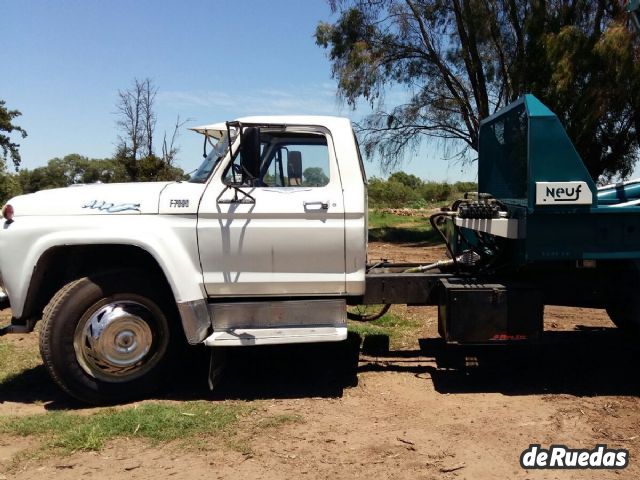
(263, 245)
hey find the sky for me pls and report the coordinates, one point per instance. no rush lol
(63, 63)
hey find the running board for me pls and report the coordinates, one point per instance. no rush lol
(239, 337)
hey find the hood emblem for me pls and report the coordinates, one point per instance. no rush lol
(110, 207)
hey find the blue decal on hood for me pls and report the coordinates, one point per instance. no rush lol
(111, 207)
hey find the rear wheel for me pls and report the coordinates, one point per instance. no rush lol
(623, 306)
(105, 339)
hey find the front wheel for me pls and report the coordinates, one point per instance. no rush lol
(105, 339)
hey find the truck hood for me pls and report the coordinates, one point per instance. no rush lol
(95, 199)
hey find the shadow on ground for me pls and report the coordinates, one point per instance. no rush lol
(291, 371)
(405, 235)
(585, 362)
(277, 371)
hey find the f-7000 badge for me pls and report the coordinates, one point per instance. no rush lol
(173, 203)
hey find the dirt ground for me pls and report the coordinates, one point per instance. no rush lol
(409, 252)
(428, 411)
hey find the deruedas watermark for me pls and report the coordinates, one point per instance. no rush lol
(563, 457)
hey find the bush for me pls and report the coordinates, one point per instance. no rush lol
(436, 191)
(390, 193)
(402, 190)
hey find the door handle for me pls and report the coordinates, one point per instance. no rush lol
(319, 204)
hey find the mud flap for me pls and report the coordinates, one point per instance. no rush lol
(217, 362)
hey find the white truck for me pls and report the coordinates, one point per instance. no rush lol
(266, 244)
(263, 245)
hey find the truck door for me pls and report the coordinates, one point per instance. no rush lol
(282, 233)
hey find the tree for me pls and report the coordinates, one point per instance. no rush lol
(407, 179)
(9, 148)
(314, 176)
(136, 117)
(169, 148)
(69, 170)
(137, 122)
(461, 60)
(9, 185)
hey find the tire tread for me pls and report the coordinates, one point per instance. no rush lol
(48, 314)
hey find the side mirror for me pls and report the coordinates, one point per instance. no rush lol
(294, 168)
(250, 154)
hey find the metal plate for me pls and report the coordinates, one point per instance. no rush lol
(269, 314)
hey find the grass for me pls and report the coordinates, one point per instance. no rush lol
(380, 219)
(396, 327)
(15, 360)
(69, 432)
(189, 422)
(387, 227)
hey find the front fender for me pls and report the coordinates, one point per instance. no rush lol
(170, 239)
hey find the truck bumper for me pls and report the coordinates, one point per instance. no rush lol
(4, 300)
(15, 326)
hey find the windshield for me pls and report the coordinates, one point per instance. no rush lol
(216, 154)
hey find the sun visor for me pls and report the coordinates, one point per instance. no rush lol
(215, 130)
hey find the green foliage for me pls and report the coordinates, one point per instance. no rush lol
(383, 193)
(149, 168)
(403, 190)
(465, 187)
(406, 179)
(9, 185)
(153, 169)
(314, 176)
(69, 170)
(421, 203)
(461, 60)
(9, 148)
(75, 169)
(436, 191)
(594, 87)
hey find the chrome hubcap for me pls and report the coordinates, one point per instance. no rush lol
(116, 342)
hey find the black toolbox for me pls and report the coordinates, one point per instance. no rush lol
(472, 312)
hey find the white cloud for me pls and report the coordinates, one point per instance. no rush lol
(313, 99)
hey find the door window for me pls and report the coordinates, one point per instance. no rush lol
(287, 160)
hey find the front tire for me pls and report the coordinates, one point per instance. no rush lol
(105, 339)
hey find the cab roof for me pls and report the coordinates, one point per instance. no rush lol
(216, 130)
